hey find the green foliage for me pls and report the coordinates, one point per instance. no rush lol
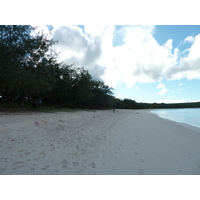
(82, 87)
(26, 63)
(130, 104)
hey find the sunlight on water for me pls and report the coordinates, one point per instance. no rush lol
(189, 116)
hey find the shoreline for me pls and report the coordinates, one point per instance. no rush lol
(188, 126)
(128, 142)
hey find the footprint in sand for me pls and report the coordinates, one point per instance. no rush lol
(93, 165)
(141, 160)
(45, 167)
(65, 164)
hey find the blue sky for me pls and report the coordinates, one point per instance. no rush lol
(143, 63)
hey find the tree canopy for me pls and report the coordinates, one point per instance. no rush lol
(29, 69)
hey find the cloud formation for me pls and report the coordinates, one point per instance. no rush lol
(74, 46)
(126, 54)
(188, 67)
(189, 39)
(163, 89)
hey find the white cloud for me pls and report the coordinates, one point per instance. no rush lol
(180, 84)
(137, 58)
(189, 39)
(140, 58)
(188, 67)
(76, 46)
(137, 88)
(163, 89)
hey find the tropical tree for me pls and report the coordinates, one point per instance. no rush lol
(82, 87)
(27, 62)
(102, 95)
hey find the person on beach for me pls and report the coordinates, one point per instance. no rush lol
(113, 110)
(39, 103)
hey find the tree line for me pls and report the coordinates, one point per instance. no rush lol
(29, 71)
(131, 104)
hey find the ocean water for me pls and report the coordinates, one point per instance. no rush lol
(189, 116)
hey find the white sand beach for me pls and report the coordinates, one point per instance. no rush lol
(128, 142)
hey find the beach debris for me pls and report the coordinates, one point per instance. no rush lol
(37, 124)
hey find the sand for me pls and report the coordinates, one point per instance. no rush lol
(127, 142)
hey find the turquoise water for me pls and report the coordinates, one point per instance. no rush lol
(189, 116)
